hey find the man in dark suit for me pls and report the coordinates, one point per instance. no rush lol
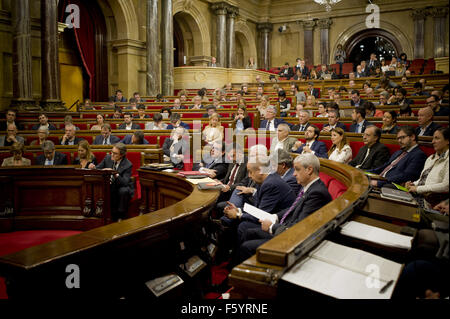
(285, 169)
(404, 165)
(175, 121)
(333, 121)
(141, 112)
(373, 154)
(137, 138)
(426, 125)
(356, 100)
(287, 71)
(373, 63)
(50, 156)
(175, 147)
(359, 120)
(106, 138)
(312, 145)
(118, 97)
(312, 91)
(314, 196)
(271, 123)
(43, 121)
(302, 67)
(69, 137)
(303, 121)
(10, 119)
(214, 164)
(122, 186)
(128, 123)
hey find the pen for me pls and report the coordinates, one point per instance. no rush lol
(385, 287)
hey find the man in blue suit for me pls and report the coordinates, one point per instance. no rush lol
(271, 123)
(312, 145)
(106, 138)
(314, 196)
(175, 121)
(285, 169)
(137, 138)
(359, 120)
(405, 164)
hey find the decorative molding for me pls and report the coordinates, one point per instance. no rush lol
(220, 8)
(87, 207)
(99, 208)
(324, 23)
(438, 12)
(265, 27)
(233, 12)
(187, 5)
(419, 14)
(308, 25)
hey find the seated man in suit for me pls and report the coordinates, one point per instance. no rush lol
(128, 123)
(43, 121)
(286, 71)
(303, 121)
(214, 164)
(132, 105)
(122, 187)
(312, 91)
(213, 63)
(333, 121)
(118, 97)
(373, 63)
(137, 138)
(176, 147)
(69, 138)
(400, 98)
(50, 156)
(106, 138)
(285, 169)
(356, 100)
(373, 154)
(359, 72)
(177, 105)
(10, 119)
(434, 102)
(359, 120)
(271, 123)
(11, 136)
(426, 125)
(314, 196)
(282, 140)
(418, 90)
(312, 145)
(210, 110)
(141, 112)
(404, 165)
(175, 121)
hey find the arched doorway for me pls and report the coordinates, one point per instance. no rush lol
(187, 39)
(378, 41)
(91, 44)
(178, 43)
(239, 61)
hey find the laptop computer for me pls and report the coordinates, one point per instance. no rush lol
(396, 194)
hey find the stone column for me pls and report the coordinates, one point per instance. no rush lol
(232, 13)
(51, 85)
(324, 25)
(419, 17)
(264, 47)
(22, 79)
(308, 37)
(220, 10)
(167, 48)
(439, 15)
(153, 52)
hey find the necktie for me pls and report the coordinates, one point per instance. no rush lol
(390, 166)
(268, 125)
(301, 128)
(233, 174)
(300, 195)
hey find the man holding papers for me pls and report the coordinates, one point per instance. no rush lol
(313, 196)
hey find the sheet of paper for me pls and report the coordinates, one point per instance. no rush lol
(258, 213)
(196, 181)
(342, 272)
(376, 235)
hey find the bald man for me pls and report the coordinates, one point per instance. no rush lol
(426, 124)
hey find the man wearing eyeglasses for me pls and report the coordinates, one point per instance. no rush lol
(404, 165)
(122, 187)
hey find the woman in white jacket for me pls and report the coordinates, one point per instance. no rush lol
(340, 151)
(435, 176)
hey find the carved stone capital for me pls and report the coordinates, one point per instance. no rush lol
(439, 12)
(233, 12)
(25, 105)
(220, 8)
(52, 106)
(265, 27)
(308, 25)
(324, 23)
(419, 14)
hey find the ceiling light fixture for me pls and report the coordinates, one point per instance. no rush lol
(327, 3)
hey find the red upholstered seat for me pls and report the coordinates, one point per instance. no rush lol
(355, 147)
(328, 143)
(336, 188)
(162, 138)
(88, 138)
(326, 179)
(393, 148)
(99, 156)
(253, 140)
(428, 150)
(152, 139)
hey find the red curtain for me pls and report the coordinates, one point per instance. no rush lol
(85, 37)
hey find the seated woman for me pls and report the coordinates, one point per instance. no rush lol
(285, 104)
(313, 74)
(16, 159)
(100, 122)
(371, 110)
(85, 157)
(389, 123)
(340, 151)
(434, 178)
(310, 101)
(176, 146)
(213, 133)
(42, 134)
(262, 107)
(157, 123)
(322, 109)
(241, 120)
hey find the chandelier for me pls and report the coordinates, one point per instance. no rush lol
(327, 3)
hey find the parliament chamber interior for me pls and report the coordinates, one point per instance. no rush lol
(197, 150)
